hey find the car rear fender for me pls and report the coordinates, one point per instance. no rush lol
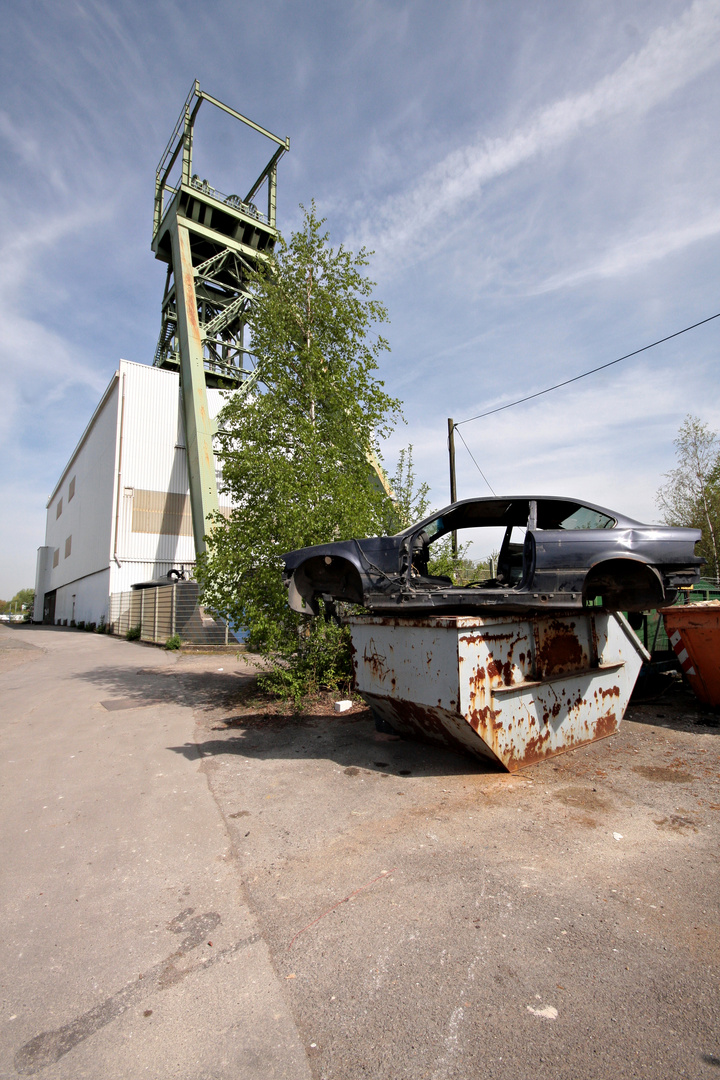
(324, 575)
(627, 583)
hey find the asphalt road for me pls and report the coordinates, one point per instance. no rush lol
(376, 908)
(128, 946)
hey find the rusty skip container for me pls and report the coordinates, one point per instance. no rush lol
(509, 688)
(693, 630)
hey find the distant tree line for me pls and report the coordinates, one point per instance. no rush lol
(24, 598)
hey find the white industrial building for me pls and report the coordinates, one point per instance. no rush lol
(120, 511)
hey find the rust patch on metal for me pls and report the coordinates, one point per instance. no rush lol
(494, 669)
(485, 637)
(594, 639)
(560, 650)
(538, 748)
(376, 662)
(425, 725)
(484, 717)
(606, 725)
(500, 671)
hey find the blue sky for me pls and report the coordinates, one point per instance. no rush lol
(540, 182)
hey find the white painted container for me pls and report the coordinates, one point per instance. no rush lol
(514, 689)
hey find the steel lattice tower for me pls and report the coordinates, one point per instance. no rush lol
(211, 243)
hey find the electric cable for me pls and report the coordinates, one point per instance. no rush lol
(476, 464)
(576, 378)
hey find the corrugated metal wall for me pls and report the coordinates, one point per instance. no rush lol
(122, 506)
(154, 465)
(79, 514)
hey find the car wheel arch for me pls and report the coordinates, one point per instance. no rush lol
(334, 575)
(625, 583)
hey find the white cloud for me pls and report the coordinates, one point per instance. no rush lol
(607, 441)
(674, 54)
(637, 253)
(37, 363)
(30, 151)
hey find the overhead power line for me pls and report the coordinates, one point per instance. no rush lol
(576, 378)
(476, 464)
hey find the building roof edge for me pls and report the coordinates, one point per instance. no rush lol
(86, 432)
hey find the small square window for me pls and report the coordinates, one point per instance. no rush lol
(71, 489)
(56, 557)
(68, 547)
(58, 512)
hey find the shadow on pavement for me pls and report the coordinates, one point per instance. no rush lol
(351, 742)
(147, 686)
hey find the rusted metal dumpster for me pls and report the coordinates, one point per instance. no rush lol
(693, 630)
(512, 688)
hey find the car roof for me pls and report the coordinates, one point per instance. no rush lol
(503, 505)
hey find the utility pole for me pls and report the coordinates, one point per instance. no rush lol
(453, 486)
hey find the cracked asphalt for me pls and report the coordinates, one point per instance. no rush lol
(376, 907)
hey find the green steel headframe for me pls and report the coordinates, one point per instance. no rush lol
(212, 243)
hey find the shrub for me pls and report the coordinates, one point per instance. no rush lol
(133, 634)
(80, 625)
(173, 642)
(320, 661)
(90, 627)
(101, 628)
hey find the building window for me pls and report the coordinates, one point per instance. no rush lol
(58, 512)
(71, 489)
(56, 557)
(68, 547)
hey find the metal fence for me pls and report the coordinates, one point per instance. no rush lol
(162, 612)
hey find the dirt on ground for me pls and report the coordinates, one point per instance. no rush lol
(435, 917)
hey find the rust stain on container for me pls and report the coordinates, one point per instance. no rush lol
(517, 689)
(560, 650)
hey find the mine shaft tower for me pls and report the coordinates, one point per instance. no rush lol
(212, 243)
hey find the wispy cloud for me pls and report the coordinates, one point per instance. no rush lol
(637, 253)
(608, 441)
(27, 147)
(33, 355)
(673, 55)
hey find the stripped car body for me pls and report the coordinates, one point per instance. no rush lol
(556, 553)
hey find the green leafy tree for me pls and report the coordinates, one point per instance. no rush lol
(691, 495)
(23, 598)
(410, 502)
(295, 452)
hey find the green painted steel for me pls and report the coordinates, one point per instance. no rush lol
(212, 244)
(198, 425)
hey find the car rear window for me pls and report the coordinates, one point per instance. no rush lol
(571, 516)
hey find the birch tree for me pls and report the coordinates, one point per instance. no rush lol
(295, 452)
(691, 495)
